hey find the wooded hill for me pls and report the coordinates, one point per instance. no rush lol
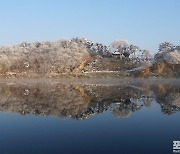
(79, 55)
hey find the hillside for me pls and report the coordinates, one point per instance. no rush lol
(28, 59)
(166, 62)
(81, 57)
(60, 57)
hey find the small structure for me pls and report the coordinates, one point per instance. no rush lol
(117, 54)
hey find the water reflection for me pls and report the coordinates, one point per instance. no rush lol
(80, 101)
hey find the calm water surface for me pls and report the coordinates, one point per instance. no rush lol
(89, 117)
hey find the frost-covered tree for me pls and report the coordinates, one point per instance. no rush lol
(42, 58)
(133, 49)
(178, 47)
(120, 45)
(166, 46)
(146, 54)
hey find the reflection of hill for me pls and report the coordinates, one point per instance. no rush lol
(61, 100)
(81, 101)
(166, 93)
(168, 96)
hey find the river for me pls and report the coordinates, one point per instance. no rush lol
(89, 116)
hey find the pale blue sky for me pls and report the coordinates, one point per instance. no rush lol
(143, 22)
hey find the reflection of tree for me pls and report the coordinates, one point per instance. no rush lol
(169, 102)
(123, 108)
(126, 107)
(123, 113)
(80, 102)
(148, 103)
(168, 109)
(168, 96)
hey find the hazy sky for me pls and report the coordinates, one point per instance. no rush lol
(143, 22)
